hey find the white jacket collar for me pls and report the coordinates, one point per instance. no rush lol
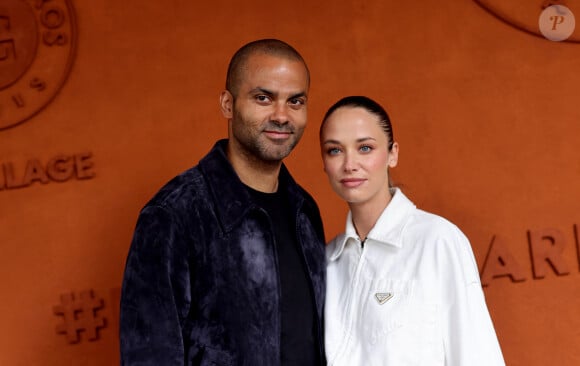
(387, 230)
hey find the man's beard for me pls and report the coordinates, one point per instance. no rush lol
(258, 146)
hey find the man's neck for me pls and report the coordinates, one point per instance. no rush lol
(257, 174)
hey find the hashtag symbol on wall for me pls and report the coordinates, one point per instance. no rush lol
(79, 314)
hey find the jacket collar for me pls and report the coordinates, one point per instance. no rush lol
(231, 197)
(388, 229)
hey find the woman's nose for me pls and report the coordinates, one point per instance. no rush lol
(350, 163)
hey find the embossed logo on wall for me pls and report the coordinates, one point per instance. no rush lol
(547, 249)
(60, 168)
(37, 44)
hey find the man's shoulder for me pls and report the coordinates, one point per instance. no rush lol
(294, 188)
(189, 186)
(309, 203)
(181, 190)
(305, 194)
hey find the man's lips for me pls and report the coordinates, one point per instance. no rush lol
(352, 182)
(278, 135)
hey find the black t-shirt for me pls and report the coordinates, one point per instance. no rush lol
(299, 343)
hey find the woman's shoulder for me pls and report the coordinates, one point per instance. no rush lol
(432, 224)
(445, 242)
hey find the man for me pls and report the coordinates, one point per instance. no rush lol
(227, 261)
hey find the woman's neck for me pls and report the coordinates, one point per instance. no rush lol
(365, 215)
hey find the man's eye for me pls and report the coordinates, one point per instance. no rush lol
(262, 98)
(297, 101)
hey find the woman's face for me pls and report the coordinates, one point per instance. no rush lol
(356, 156)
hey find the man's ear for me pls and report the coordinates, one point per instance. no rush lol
(227, 104)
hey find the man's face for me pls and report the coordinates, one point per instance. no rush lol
(268, 115)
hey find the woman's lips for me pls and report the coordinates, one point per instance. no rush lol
(352, 182)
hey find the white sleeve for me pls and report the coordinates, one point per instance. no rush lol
(469, 335)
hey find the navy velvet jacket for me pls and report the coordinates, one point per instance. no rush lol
(201, 280)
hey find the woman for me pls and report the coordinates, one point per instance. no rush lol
(403, 286)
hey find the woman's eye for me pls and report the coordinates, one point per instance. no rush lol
(333, 151)
(366, 148)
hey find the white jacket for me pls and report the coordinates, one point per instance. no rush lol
(410, 296)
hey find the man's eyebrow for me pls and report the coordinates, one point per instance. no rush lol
(260, 90)
(299, 95)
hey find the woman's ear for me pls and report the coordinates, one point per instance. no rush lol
(227, 104)
(393, 157)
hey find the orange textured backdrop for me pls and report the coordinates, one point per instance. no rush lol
(486, 115)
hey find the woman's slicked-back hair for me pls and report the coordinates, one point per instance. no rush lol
(358, 101)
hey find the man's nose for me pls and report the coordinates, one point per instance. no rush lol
(280, 113)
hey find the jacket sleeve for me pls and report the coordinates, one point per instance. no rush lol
(155, 296)
(469, 335)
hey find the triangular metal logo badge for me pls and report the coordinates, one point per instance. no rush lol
(383, 297)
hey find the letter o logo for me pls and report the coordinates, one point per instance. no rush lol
(37, 45)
